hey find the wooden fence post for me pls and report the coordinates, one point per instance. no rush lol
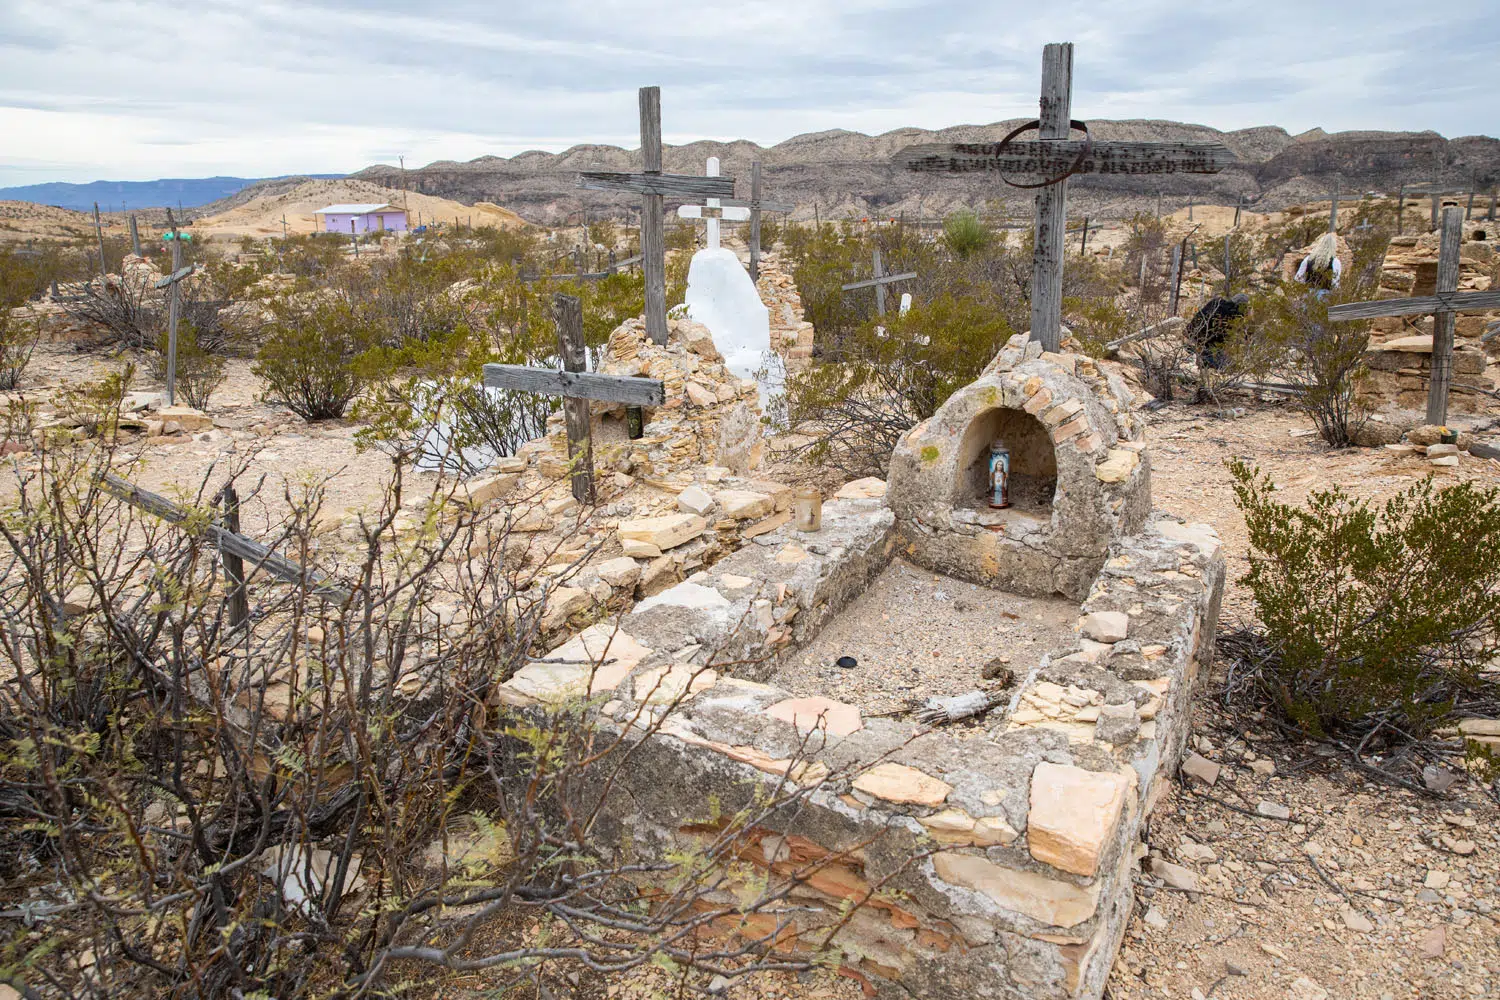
(571, 349)
(234, 567)
(1443, 322)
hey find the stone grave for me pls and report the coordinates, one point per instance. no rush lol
(1024, 823)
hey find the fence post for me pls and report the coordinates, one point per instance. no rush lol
(234, 566)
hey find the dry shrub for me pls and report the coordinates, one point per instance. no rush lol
(192, 806)
(1380, 612)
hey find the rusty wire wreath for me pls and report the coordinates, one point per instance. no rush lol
(1083, 154)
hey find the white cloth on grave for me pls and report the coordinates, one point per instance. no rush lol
(721, 296)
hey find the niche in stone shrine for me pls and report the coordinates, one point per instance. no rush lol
(1033, 464)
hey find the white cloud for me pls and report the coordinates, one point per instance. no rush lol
(136, 89)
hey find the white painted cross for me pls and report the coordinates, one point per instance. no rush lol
(712, 209)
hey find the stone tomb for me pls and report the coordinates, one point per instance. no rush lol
(1080, 476)
(1034, 812)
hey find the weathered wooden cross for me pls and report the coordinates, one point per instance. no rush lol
(654, 186)
(174, 282)
(1443, 305)
(1056, 157)
(577, 387)
(879, 281)
(713, 209)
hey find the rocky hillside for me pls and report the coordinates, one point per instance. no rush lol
(838, 173)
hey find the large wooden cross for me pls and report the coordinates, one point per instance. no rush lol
(1443, 305)
(654, 186)
(577, 387)
(1056, 157)
(879, 281)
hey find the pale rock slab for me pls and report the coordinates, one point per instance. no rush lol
(694, 500)
(1073, 815)
(665, 685)
(1042, 899)
(1105, 626)
(665, 532)
(548, 682)
(621, 572)
(899, 783)
(869, 488)
(818, 712)
(745, 505)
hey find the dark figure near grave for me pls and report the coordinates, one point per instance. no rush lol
(1210, 328)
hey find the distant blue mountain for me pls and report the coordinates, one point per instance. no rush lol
(190, 192)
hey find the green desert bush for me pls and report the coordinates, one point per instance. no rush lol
(309, 361)
(1387, 608)
(965, 234)
(200, 370)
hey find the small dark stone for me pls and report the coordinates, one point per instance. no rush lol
(999, 671)
(847, 662)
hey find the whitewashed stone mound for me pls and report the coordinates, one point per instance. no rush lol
(721, 296)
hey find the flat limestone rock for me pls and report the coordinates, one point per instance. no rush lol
(817, 712)
(1036, 896)
(869, 488)
(745, 505)
(1073, 815)
(1106, 626)
(559, 681)
(1412, 345)
(899, 783)
(665, 532)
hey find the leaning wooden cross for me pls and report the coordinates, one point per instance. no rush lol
(576, 386)
(879, 281)
(174, 282)
(1443, 305)
(1056, 157)
(654, 186)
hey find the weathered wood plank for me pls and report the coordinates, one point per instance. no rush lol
(577, 385)
(665, 185)
(259, 555)
(1053, 156)
(1443, 323)
(569, 309)
(1422, 305)
(1051, 218)
(729, 214)
(765, 206)
(756, 207)
(653, 226)
(877, 282)
(176, 276)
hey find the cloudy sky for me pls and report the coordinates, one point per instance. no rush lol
(138, 89)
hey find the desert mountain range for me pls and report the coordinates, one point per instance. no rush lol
(838, 173)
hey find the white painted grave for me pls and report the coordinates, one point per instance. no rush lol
(721, 296)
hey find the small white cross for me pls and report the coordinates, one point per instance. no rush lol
(711, 210)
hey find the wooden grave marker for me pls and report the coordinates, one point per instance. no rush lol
(654, 187)
(1056, 157)
(174, 282)
(1443, 305)
(878, 282)
(713, 209)
(577, 386)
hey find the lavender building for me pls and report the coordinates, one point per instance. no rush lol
(374, 218)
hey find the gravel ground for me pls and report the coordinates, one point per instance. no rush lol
(917, 634)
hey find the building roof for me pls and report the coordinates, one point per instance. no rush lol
(355, 209)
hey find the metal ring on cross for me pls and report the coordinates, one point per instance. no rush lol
(1083, 153)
